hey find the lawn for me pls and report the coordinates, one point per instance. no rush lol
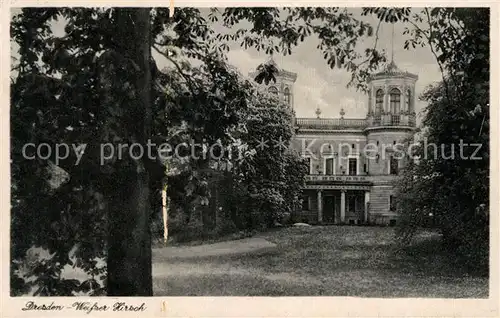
(324, 261)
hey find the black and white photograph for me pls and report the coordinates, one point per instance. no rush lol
(249, 151)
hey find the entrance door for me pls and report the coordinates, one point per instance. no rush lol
(329, 209)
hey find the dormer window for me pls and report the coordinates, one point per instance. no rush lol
(273, 90)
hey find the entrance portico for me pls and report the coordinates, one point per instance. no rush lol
(341, 204)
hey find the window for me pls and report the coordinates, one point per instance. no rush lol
(286, 94)
(395, 101)
(392, 203)
(393, 166)
(353, 166)
(352, 146)
(365, 168)
(273, 90)
(379, 101)
(408, 100)
(329, 166)
(305, 203)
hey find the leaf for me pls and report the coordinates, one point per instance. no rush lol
(370, 30)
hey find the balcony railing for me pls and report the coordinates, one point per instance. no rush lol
(339, 178)
(354, 123)
(395, 120)
(330, 123)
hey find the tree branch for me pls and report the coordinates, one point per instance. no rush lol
(429, 41)
(374, 45)
(178, 67)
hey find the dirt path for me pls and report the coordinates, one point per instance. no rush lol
(253, 245)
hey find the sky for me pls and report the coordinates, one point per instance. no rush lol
(319, 86)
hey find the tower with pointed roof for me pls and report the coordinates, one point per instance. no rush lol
(391, 99)
(283, 87)
(392, 96)
(391, 114)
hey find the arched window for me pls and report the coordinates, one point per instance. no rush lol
(379, 101)
(408, 101)
(286, 94)
(273, 90)
(395, 101)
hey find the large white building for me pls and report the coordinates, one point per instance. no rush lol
(353, 163)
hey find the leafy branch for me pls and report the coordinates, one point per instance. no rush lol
(178, 67)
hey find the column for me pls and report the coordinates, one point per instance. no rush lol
(358, 165)
(342, 206)
(371, 98)
(367, 202)
(403, 112)
(386, 99)
(320, 207)
(412, 101)
(387, 109)
(403, 109)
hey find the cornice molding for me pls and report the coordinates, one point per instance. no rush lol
(378, 128)
(398, 75)
(330, 131)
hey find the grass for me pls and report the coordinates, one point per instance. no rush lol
(325, 261)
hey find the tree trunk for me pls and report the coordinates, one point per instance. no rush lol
(164, 209)
(129, 245)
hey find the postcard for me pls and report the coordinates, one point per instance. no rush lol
(176, 159)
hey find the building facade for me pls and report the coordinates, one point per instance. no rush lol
(354, 162)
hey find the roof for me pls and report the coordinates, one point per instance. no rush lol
(271, 61)
(392, 70)
(281, 72)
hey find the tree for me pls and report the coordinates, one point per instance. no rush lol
(98, 85)
(81, 71)
(261, 179)
(129, 237)
(274, 176)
